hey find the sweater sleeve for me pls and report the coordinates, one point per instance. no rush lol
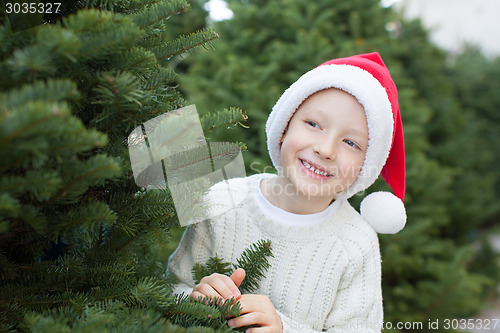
(196, 246)
(198, 242)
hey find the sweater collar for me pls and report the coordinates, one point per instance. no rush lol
(330, 220)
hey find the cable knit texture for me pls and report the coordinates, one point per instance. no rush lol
(326, 277)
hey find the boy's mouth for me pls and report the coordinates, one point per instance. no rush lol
(315, 168)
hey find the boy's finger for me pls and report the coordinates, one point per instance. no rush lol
(207, 290)
(238, 276)
(224, 287)
(196, 295)
(244, 320)
(250, 304)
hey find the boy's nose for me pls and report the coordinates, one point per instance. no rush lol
(325, 150)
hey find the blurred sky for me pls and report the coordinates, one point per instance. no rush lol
(218, 10)
(453, 22)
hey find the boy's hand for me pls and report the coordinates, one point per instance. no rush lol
(257, 310)
(219, 285)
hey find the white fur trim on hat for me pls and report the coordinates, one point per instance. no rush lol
(369, 93)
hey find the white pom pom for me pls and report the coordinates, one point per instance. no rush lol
(384, 212)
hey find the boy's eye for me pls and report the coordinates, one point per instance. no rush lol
(351, 143)
(312, 123)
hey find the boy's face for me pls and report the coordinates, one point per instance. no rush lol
(323, 148)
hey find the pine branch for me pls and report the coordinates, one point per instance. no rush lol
(31, 117)
(139, 61)
(254, 261)
(206, 312)
(9, 208)
(119, 91)
(40, 184)
(84, 174)
(103, 4)
(184, 44)
(223, 119)
(151, 293)
(113, 33)
(159, 11)
(89, 217)
(216, 264)
(34, 220)
(144, 211)
(51, 90)
(158, 80)
(213, 265)
(105, 316)
(58, 134)
(198, 272)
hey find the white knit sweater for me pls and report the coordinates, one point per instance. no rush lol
(325, 277)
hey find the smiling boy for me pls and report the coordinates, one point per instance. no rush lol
(329, 135)
(322, 152)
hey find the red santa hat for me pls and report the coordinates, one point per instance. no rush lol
(365, 77)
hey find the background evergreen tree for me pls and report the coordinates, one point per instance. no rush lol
(79, 240)
(476, 82)
(267, 45)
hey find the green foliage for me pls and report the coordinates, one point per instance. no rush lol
(205, 312)
(213, 265)
(253, 260)
(79, 241)
(476, 84)
(448, 116)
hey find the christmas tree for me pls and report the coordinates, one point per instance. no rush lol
(79, 240)
(428, 270)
